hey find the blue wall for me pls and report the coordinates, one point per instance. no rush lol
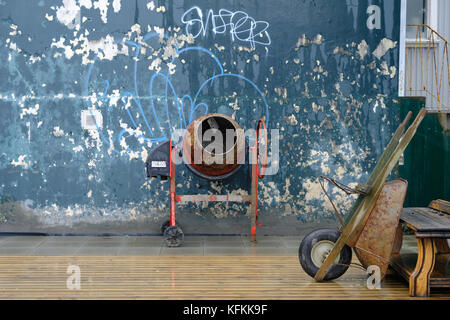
(324, 73)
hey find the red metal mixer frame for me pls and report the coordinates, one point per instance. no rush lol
(256, 174)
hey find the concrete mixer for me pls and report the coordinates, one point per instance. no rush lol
(213, 148)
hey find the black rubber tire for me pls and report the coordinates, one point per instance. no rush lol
(174, 236)
(165, 225)
(306, 246)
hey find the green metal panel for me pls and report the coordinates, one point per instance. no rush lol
(427, 159)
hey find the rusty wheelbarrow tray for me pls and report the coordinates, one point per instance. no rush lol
(371, 224)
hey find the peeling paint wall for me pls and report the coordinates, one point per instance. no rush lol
(324, 73)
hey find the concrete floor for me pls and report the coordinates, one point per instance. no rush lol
(154, 245)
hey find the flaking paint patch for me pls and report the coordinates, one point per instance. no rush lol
(116, 5)
(393, 70)
(270, 192)
(20, 162)
(102, 6)
(363, 49)
(341, 50)
(107, 48)
(219, 47)
(282, 92)
(383, 47)
(93, 140)
(312, 190)
(384, 69)
(69, 13)
(68, 52)
(318, 158)
(291, 120)
(58, 132)
(387, 71)
(144, 154)
(303, 41)
(161, 9)
(151, 6)
(30, 111)
(77, 149)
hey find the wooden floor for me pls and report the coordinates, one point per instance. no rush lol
(182, 277)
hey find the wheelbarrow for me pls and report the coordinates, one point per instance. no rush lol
(371, 225)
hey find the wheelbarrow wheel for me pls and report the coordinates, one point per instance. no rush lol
(314, 249)
(174, 236)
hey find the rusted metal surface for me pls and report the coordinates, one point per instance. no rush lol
(219, 162)
(376, 242)
(398, 240)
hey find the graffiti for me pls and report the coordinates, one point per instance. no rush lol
(238, 24)
(187, 106)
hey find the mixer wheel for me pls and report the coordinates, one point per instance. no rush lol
(174, 236)
(165, 225)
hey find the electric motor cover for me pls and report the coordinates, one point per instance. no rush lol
(158, 161)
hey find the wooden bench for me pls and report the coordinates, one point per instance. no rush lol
(430, 267)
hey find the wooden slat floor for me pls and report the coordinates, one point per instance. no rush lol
(183, 277)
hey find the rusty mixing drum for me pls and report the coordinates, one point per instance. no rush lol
(214, 147)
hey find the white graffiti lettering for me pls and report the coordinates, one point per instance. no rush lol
(238, 24)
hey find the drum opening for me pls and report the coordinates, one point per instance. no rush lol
(225, 127)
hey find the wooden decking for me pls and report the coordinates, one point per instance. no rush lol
(183, 277)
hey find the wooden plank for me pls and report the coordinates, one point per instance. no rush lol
(440, 205)
(426, 220)
(183, 277)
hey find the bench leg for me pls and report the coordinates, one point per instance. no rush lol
(442, 246)
(419, 281)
